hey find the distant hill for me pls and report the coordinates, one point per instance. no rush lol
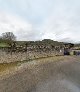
(77, 45)
(43, 42)
(4, 43)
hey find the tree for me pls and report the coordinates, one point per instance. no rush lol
(8, 36)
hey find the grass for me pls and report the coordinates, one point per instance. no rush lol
(6, 68)
(3, 45)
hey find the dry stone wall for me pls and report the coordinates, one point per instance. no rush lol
(6, 57)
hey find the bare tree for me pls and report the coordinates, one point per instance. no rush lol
(8, 36)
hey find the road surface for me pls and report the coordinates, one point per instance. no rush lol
(59, 76)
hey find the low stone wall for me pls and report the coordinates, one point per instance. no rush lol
(6, 57)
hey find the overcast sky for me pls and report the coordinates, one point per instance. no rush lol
(41, 19)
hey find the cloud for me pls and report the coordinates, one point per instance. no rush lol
(34, 11)
(41, 19)
(22, 29)
(63, 25)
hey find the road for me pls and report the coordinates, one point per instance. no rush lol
(59, 76)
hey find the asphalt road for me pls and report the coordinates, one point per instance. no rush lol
(61, 76)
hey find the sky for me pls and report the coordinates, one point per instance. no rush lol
(41, 19)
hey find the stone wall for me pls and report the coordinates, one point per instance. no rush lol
(6, 57)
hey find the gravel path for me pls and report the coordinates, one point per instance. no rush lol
(45, 76)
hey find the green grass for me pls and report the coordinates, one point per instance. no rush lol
(3, 45)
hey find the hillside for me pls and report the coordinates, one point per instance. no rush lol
(43, 42)
(5, 43)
